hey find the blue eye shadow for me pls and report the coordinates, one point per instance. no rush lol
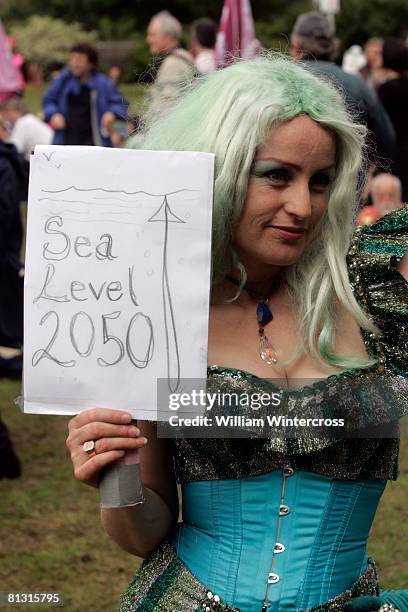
(262, 167)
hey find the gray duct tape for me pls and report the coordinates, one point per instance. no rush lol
(120, 486)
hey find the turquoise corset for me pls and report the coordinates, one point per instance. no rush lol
(306, 532)
(245, 521)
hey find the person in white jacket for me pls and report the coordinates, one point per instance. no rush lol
(27, 129)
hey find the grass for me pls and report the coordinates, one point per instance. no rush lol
(51, 539)
(50, 536)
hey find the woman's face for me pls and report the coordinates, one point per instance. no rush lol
(288, 193)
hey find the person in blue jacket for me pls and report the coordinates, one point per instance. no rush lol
(82, 104)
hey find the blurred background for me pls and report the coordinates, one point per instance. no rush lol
(50, 537)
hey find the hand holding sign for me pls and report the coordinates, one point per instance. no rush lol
(113, 434)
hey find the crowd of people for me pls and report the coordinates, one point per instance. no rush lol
(311, 115)
(83, 106)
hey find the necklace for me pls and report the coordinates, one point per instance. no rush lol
(263, 316)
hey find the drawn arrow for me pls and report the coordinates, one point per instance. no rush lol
(165, 215)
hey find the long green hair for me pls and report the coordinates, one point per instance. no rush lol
(230, 113)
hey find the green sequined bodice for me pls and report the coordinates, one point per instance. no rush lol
(365, 396)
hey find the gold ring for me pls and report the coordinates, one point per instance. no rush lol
(89, 448)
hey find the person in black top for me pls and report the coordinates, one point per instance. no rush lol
(11, 286)
(11, 236)
(394, 96)
(78, 128)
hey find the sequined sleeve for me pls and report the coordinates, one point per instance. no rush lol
(380, 289)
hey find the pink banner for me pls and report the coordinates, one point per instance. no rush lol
(9, 79)
(236, 35)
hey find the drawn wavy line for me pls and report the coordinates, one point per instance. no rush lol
(155, 195)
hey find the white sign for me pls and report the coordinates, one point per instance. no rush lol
(117, 277)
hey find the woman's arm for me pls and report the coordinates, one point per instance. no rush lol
(137, 529)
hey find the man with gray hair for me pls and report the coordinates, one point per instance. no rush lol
(176, 65)
(386, 195)
(313, 41)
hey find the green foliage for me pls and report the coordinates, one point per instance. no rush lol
(138, 60)
(274, 28)
(122, 28)
(46, 39)
(12, 11)
(45, 36)
(114, 19)
(362, 19)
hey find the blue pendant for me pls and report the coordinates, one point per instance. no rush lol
(263, 314)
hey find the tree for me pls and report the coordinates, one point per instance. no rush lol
(46, 39)
(120, 18)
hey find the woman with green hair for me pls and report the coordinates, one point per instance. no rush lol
(275, 522)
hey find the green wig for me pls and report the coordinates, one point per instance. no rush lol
(230, 113)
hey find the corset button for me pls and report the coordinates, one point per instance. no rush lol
(273, 578)
(288, 471)
(278, 548)
(283, 510)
